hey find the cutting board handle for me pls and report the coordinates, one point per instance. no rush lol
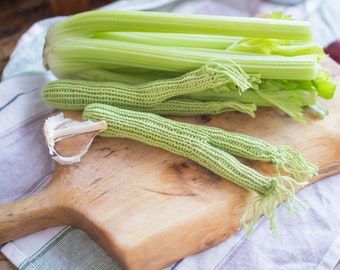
(26, 216)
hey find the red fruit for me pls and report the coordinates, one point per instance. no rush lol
(333, 50)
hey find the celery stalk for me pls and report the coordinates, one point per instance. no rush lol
(91, 41)
(89, 23)
(112, 55)
(171, 39)
(139, 46)
(82, 39)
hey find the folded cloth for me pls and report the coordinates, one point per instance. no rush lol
(25, 162)
(307, 241)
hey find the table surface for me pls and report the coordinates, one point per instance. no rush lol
(17, 16)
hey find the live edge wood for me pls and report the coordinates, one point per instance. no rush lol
(148, 208)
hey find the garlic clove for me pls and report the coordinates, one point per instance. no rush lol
(68, 140)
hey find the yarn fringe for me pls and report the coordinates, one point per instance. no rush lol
(281, 192)
(227, 71)
(292, 162)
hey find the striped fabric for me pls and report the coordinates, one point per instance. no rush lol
(308, 241)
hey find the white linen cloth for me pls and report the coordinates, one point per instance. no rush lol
(307, 241)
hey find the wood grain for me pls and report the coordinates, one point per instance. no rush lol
(147, 207)
(188, 179)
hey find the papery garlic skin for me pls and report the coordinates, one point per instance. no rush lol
(58, 128)
(70, 160)
(51, 124)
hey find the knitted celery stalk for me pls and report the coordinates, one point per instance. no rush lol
(202, 145)
(76, 94)
(191, 107)
(282, 156)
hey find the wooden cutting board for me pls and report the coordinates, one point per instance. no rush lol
(148, 208)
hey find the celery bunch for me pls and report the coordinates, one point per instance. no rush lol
(138, 47)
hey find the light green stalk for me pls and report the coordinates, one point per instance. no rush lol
(213, 149)
(90, 23)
